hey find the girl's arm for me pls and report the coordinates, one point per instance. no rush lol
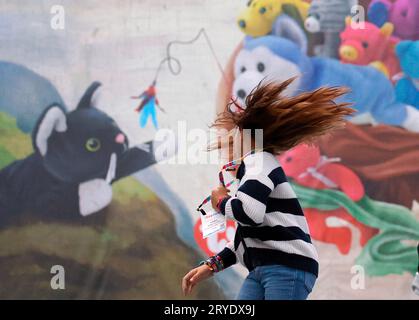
(206, 269)
(228, 255)
(248, 206)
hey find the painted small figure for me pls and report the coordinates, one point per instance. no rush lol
(147, 106)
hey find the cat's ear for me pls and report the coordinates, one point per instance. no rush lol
(53, 119)
(86, 99)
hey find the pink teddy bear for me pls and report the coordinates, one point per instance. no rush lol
(403, 14)
(370, 45)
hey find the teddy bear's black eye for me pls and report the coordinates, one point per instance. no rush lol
(93, 144)
(288, 159)
(262, 10)
(261, 67)
(404, 13)
(365, 44)
(243, 69)
(249, 3)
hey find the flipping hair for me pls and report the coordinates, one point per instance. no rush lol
(288, 121)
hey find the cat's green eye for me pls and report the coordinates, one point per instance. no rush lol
(93, 144)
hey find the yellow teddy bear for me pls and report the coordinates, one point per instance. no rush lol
(258, 17)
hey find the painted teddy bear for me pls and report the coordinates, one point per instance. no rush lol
(328, 17)
(370, 45)
(407, 87)
(403, 14)
(273, 58)
(282, 18)
(305, 165)
(259, 17)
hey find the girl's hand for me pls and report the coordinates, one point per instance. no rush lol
(217, 194)
(195, 276)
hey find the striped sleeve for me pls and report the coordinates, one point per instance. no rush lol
(228, 255)
(248, 206)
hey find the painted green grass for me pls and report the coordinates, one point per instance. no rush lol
(131, 188)
(14, 144)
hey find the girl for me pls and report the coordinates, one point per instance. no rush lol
(272, 239)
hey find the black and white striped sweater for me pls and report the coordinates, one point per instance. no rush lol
(271, 228)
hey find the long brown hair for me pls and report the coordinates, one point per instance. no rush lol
(288, 121)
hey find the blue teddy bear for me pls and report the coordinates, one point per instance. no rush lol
(407, 88)
(277, 59)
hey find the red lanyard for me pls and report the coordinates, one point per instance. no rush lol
(227, 167)
(221, 178)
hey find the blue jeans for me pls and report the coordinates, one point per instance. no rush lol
(277, 282)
